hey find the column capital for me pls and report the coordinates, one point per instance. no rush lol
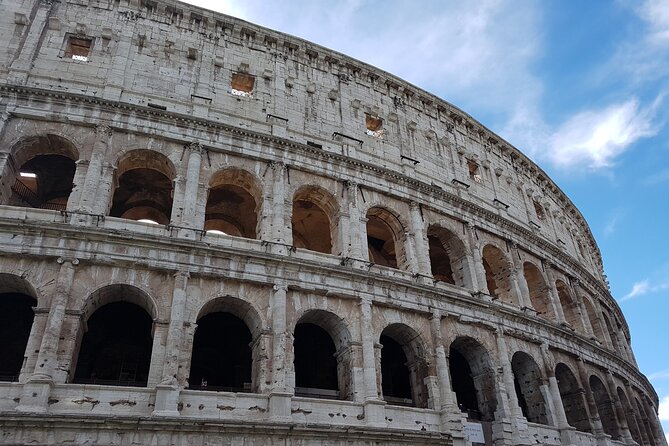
(277, 166)
(103, 130)
(61, 260)
(196, 147)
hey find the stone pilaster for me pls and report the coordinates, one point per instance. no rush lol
(191, 210)
(595, 420)
(167, 391)
(21, 66)
(479, 282)
(281, 390)
(518, 281)
(554, 297)
(89, 196)
(619, 411)
(421, 246)
(374, 406)
(553, 397)
(37, 389)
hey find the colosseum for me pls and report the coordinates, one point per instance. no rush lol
(215, 233)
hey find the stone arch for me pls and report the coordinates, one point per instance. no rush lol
(404, 366)
(322, 356)
(645, 426)
(498, 273)
(40, 172)
(144, 182)
(568, 304)
(573, 398)
(527, 381)
(226, 349)
(613, 336)
(17, 299)
(233, 203)
(314, 219)
(605, 407)
(448, 256)
(473, 378)
(385, 234)
(593, 318)
(539, 296)
(630, 416)
(110, 352)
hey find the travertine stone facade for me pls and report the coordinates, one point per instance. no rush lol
(215, 233)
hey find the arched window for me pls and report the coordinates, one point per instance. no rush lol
(498, 274)
(116, 348)
(322, 356)
(221, 357)
(314, 219)
(646, 428)
(604, 407)
(573, 398)
(45, 173)
(233, 204)
(568, 305)
(472, 379)
(594, 321)
(144, 181)
(383, 235)
(538, 291)
(613, 335)
(527, 382)
(16, 318)
(403, 367)
(448, 256)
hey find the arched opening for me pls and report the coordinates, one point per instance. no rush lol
(233, 204)
(222, 358)
(472, 379)
(314, 219)
(604, 407)
(646, 428)
(568, 305)
(144, 183)
(403, 367)
(42, 172)
(538, 291)
(116, 347)
(613, 335)
(594, 321)
(629, 416)
(527, 382)
(573, 398)
(16, 319)
(498, 274)
(448, 256)
(383, 232)
(322, 356)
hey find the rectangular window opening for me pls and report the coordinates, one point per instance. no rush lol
(474, 171)
(541, 214)
(374, 125)
(242, 84)
(78, 48)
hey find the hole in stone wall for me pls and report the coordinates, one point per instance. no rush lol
(233, 204)
(381, 240)
(78, 48)
(374, 125)
(539, 210)
(313, 211)
(242, 84)
(474, 171)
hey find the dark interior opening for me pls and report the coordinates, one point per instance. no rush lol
(116, 349)
(463, 385)
(16, 320)
(395, 376)
(222, 358)
(315, 362)
(44, 182)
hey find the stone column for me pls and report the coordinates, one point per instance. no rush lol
(635, 414)
(167, 392)
(479, 282)
(583, 313)
(595, 421)
(34, 340)
(518, 281)
(619, 410)
(281, 391)
(89, 195)
(421, 245)
(6, 176)
(507, 387)
(374, 406)
(655, 426)
(553, 295)
(355, 232)
(553, 395)
(190, 202)
(37, 389)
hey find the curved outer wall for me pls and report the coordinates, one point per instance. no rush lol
(361, 206)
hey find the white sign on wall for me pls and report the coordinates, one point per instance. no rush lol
(474, 432)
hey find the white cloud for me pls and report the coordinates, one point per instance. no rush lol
(663, 409)
(644, 287)
(661, 375)
(656, 13)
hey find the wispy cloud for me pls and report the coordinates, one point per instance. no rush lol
(661, 375)
(611, 225)
(643, 288)
(663, 409)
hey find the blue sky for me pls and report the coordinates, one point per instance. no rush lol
(579, 86)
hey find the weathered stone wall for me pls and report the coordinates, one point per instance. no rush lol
(528, 299)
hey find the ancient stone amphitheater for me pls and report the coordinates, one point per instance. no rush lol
(215, 233)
